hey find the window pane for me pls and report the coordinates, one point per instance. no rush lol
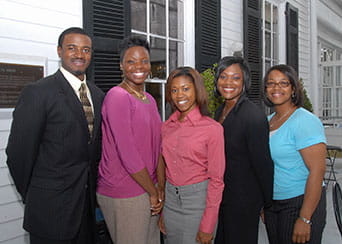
(275, 47)
(138, 15)
(158, 58)
(155, 90)
(338, 76)
(157, 17)
(176, 19)
(268, 44)
(275, 19)
(267, 64)
(267, 16)
(175, 55)
(327, 76)
(339, 102)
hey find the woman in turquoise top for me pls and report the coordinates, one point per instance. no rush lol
(298, 148)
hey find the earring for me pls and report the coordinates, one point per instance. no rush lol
(293, 95)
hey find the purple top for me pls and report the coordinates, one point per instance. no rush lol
(130, 142)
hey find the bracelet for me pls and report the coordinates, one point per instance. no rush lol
(305, 220)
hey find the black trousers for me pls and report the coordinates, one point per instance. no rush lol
(238, 224)
(281, 217)
(85, 234)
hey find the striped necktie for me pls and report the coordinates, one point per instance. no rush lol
(87, 107)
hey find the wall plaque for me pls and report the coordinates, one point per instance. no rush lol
(13, 78)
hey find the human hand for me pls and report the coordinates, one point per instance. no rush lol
(301, 232)
(156, 204)
(161, 224)
(161, 193)
(204, 238)
(262, 215)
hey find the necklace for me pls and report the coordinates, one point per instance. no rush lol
(141, 96)
(280, 119)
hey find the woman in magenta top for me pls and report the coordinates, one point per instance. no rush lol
(128, 171)
(193, 150)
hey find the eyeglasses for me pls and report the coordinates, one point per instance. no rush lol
(281, 84)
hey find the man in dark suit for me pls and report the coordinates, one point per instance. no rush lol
(53, 147)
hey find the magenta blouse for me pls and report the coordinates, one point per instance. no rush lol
(130, 142)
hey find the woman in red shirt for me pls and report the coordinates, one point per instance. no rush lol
(193, 150)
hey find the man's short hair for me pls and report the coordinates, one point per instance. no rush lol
(71, 30)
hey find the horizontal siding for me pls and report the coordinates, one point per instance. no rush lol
(31, 27)
(8, 195)
(29, 30)
(22, 239)
(304, 42)
(11, 231)
(5, 178)
(11, 212)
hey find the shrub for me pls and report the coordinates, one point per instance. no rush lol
(213, 101)
(307, 103)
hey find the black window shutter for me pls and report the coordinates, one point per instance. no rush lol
(252, 44)
(292, 36)
(108, 22)
(207, 33)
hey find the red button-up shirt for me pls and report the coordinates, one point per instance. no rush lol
(193, 150)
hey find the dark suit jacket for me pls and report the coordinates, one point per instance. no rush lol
(52, 157)
(249, 169)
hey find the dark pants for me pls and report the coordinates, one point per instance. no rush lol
(238, 224)
(281, 217)
(85, 234)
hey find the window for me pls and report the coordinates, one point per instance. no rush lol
(331, 76)
(269, 35)
(162, 23)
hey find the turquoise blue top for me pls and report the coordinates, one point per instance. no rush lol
(302, 129)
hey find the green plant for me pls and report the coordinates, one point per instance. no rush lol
(307, 103)
(213, 101)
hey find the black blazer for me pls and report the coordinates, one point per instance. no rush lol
(52, 157)
(249, 170)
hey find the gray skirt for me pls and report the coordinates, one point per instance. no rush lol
(183, 210)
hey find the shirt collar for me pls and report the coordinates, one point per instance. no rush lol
(73, 80)
(192, 117)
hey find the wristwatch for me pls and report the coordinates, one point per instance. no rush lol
(305, 220)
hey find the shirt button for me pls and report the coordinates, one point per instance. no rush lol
(174, 161)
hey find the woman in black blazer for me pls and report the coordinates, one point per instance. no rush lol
(248, 177)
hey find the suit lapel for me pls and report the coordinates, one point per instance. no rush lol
(73, 101)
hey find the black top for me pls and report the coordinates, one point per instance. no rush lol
(249, 168)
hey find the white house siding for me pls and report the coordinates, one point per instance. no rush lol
(29, 30)
(231, 26)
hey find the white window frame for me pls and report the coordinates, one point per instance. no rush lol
(188, 41)
(272, 60)
(332, 111)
